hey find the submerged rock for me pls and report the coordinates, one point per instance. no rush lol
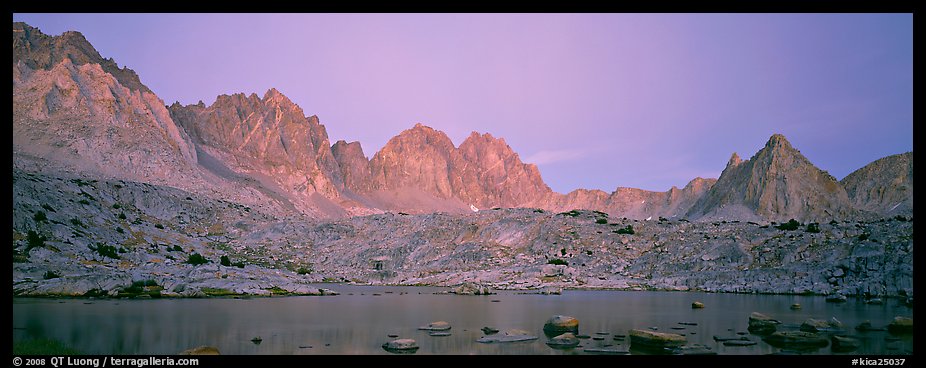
(743, 342)
(796, 340)
(866, 327)
(401, 346)
(616, 350)
(436, 326)
(438, 333)
(656, 339)
(795, 306)
(818, 325)
(508, 336)
(566, 340)
(836, 298)
(201, 350)
(559, 324)
(489, 330)
(901, 325)
(843, 344)
(697, 305)
(729, 338)
(693, 349)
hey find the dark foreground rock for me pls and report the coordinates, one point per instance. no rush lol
(512, 335)
(694, 349)
(867, 327)
(614, 350)
(652, 339)
(761, 324)
(489, 330)
(844, 344)
(739, 343)
(901, 325)
(796, 340)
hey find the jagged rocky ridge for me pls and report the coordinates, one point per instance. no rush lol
(259, 169)
(162, 227)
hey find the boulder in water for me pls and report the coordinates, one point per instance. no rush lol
(559, 324)
(436, 326)
(761, 324)
(401, 346)
(901, 325)
(653, 339)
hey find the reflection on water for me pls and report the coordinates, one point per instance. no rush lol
(359, 323)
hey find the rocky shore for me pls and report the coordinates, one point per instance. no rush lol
(74, 236)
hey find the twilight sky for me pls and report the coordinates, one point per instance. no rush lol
(595, 100)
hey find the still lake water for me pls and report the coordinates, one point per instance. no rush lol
(359, 323)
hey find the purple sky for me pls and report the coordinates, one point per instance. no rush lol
(596, 100)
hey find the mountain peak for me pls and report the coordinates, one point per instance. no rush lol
(734, 160)
(272, 93)
(778, 140)
(40, 51)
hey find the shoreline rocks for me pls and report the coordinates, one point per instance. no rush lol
(471, 288)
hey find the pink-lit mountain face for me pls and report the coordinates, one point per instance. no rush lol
(76, 111)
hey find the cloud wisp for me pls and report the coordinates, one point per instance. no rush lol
(546, 157)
